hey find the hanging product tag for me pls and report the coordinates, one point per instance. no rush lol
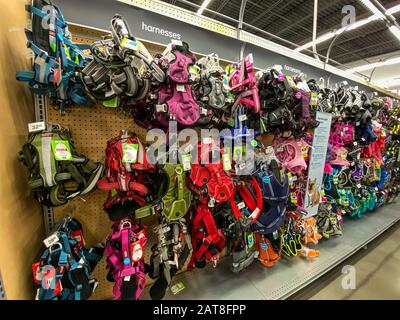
(290, 178)
(130, 152)
(49, 241)
(207, 140)
(61, 150)
(241, 166)
(161, 107)
(178, 287)
(136, 251)
(112, 103)
(231, 122)
(176, 42)
(204, 111)
(275, 234)
(186, 162)
(237, 153)
(180, 87)
(291, 82)
(194, 72)
(304, 151)
(241, 205)
(36, 126)
(293, 197)
(226, 161)
(242, 117)
(250, 240)
(254, 214)
(129, 44)
(314, 99)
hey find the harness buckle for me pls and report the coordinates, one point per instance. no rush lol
(157, 207)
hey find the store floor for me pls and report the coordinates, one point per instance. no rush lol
(377, 273)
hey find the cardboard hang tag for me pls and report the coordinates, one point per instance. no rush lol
(226, 162)
(186, 162)
(61, 150)
(130, 152)
(129, 44)
(51, 240)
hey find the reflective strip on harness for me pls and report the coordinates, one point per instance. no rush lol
(47, 161)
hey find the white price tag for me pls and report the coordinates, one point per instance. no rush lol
(254, 213)
(127, 278)
(241, 205)
(226, 161)
(242, 118)
(207, 140)
(176, 42)
(180, 88)
(161, 108)
(49, 241)
(36, 126)
(204, 111)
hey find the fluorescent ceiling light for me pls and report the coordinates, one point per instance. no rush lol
(395, 30)
(330, 35)
(203, 6)
(394, 9)
(373, 9)
(320, 39)
(374, 65)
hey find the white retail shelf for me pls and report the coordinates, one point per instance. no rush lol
(290, 274)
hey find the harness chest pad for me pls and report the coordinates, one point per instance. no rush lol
(207, 240)
(127, 175)
(58, 172)
(275, 192)
(125, 259)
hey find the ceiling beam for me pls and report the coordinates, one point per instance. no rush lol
(220, 7)
(263, 14)
(330, 4)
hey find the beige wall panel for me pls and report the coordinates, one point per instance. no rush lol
(21, 225)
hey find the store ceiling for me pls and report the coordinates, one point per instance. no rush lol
(292, 20)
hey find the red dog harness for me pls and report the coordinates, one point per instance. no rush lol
(207, 240)
(252, 202)
(127, 168)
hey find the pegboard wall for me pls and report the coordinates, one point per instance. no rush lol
(91, 128)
